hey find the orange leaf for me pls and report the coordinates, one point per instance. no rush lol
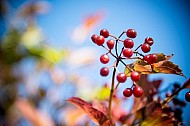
(162, 65)
(95, 115)
(167, 67)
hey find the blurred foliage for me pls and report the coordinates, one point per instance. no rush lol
(35, 78)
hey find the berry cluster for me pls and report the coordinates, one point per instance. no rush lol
(126, 53)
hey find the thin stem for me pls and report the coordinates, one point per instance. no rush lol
(121, 51)
(138, 53)
(114, 73)
(116, 86)
(138, 47)
(112, 91)
(123, 62)
(109, 51)
(116, 43)
(116, 38)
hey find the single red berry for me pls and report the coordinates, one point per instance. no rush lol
(145, 47)
(149, 40)
(127, 52)
(121, 77)
(187, 96)
(135, 76)
(104, 32)
(131, 33)
(104, 59)
(110, 43)
(127, 92)
(138, 91)
(153, 58)
(99, 40)
(93, 38)
(128, 43)
(146, 58)
(104, 71)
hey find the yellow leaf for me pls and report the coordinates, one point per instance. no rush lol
(103, 93)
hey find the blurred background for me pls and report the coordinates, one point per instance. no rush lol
(47, 55)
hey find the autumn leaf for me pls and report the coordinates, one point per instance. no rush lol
(148, 85)
(128, 69)
(167, 67)
(162, 57)
(152, 115)
(95, 115)
(162, 65)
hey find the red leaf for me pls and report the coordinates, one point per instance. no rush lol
(95, 115)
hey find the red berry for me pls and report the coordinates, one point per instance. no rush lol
(104, 59)
(104, 71)
(110, 43)
(128, 43)
(93, 38)
(127, 92)
(121, 77)
(149, 40)
(138, 91)
(145, 47)
(131, 33)
(187, 96)
(127, 52)
(147, 58)
(135, 76)
(153, 58)
(104, 32)
(99, 40)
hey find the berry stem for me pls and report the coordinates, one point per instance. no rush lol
(116, 38)
(109, 51)
(138, 53)
(116, 86)
(138, 47)
(116, 43)
(112, 90)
